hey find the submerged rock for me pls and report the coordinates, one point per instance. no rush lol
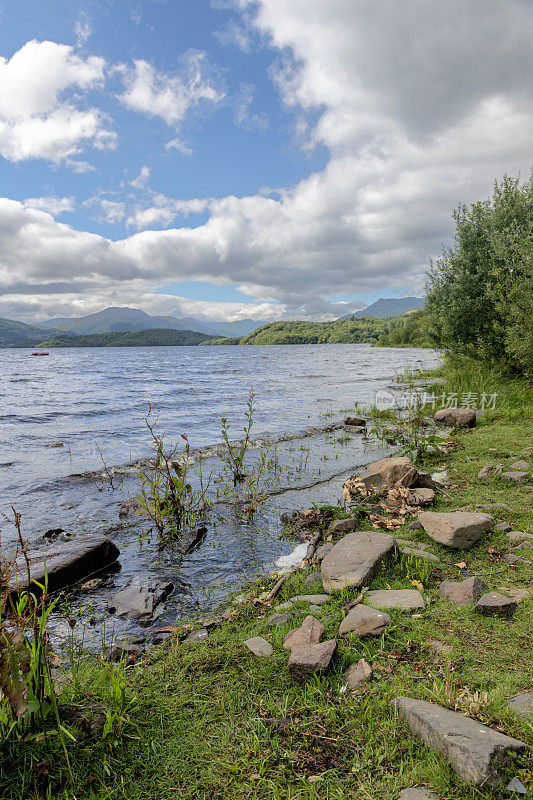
(190, 539)
(139, 602)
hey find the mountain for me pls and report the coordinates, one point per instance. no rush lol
(154, 337)
(18, 333)
(122, 319)
(390, 307)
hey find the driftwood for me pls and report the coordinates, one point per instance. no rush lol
(308, 556)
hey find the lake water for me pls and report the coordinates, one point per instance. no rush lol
(92, 402)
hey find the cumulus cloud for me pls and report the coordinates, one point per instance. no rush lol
(37, 119)
(51, 203)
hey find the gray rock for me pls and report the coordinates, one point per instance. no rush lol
(485, 472)
(358, 674)
(130, 507)
(364, 621)
(287, 606)
(342, 525)
(475, 751)
(502, 527)
(259, 647)
(518, 477)
(190, 539)
(127, 650)
(523, 546)
(417, 794)
(517, 536)
(518, 595)
(495, 507)
(422, 554)
(322, 551)
(458, 417)
(316, 599)
(355, 559)
(309, 632)
(398, 599)
(389, 473)
(55, 444)
(279, 620)
(516, 786)
(66, 563)
(520, 465)
(513, 558)
(408, 543)
(422, 497)
(358, 421)
(463, 593)
(138, 601)
(522, 704)
(311, 659)
(415, 526)
(197, 636)
(455, 528)
(494, 604)
(314, 580)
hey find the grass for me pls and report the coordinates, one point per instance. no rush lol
(211, 720)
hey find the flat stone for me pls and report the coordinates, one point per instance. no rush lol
(518, 595)
(475, 751)
(513, 558)
(259, 647)
(517, 786)
(343, 525)
(458, 417)
(456, 528)
(417, 794)
(389, 473)
(358, 421)
(322, 551)
(309, 632)
(287, 606)
(485, 472)
(139, 601)
(518, 477)
(494, 604)
(364, 621)
(408, 543)
(398, 599)
(495, 507)
(358, 674)
(422, 497)
(523, 546)
(502, 527)
(355, 559)
(316, 599)
(66, 563)
(522, 704)
(517, 536)
(314, 580)
(311, 659)
(463, 593)
(279, 620)
(197, 636)
(315, 609)
(423, 554)
(520, 465)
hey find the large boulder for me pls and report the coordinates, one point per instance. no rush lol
(455, 528)
(63, 564)
(389, 473)
(138, 601)
(355, 559)
(475, 751)
(458, 417)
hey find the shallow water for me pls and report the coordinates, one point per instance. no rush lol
(93, 401)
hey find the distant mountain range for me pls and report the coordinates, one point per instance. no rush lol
(18, 333)
(122, 320)
(389, 307)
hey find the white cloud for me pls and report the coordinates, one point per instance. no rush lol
(36, 119)
(142, 178)
(82, 28)
(51, 203)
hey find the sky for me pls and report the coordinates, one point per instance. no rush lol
(233, 159)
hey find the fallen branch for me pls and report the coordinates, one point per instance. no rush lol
(280, 583)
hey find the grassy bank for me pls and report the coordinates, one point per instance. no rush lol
(211, 720)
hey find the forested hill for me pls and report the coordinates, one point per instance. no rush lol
(350, 330)
(155, 337)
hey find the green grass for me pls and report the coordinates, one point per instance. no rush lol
(211, 720)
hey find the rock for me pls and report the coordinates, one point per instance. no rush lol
(517, 786)
(423, 554)
(417, 794)
(129, 650)
(309, 632)
(516, 594)
(310, 659)
(316, 599)
(364, 621)
(138, 601)
(520, 465)
(494, 604)
(496, 507)
(523, 546)
(66, 563)
(355, 559)
(408, 543)
(314, 580)
(517, 536)
(55, 444)
(485, 472)
(502, 527)
(197, 636)
(288, 516)
(398, 599)
(130, 507)
(415, 525)
(279, 620)
(473, 750)
(513, 558)
(322, 551)
(439, 648)
(522, 704)
(422, 497)
(287, 606)
(389, 473)
(342, 525)
(458, 417)
(190, 539)
(518, 477)
(359, 421)
(455, 528)
(358, 674)
(315, 609)
(463, 593)
(259, 647)
(424, 481)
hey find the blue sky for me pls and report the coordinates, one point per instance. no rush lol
(228, 158)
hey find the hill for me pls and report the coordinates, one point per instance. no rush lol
(348, 330)
(154, 337)
(390, 307)
(121, 319)
(18, 333)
